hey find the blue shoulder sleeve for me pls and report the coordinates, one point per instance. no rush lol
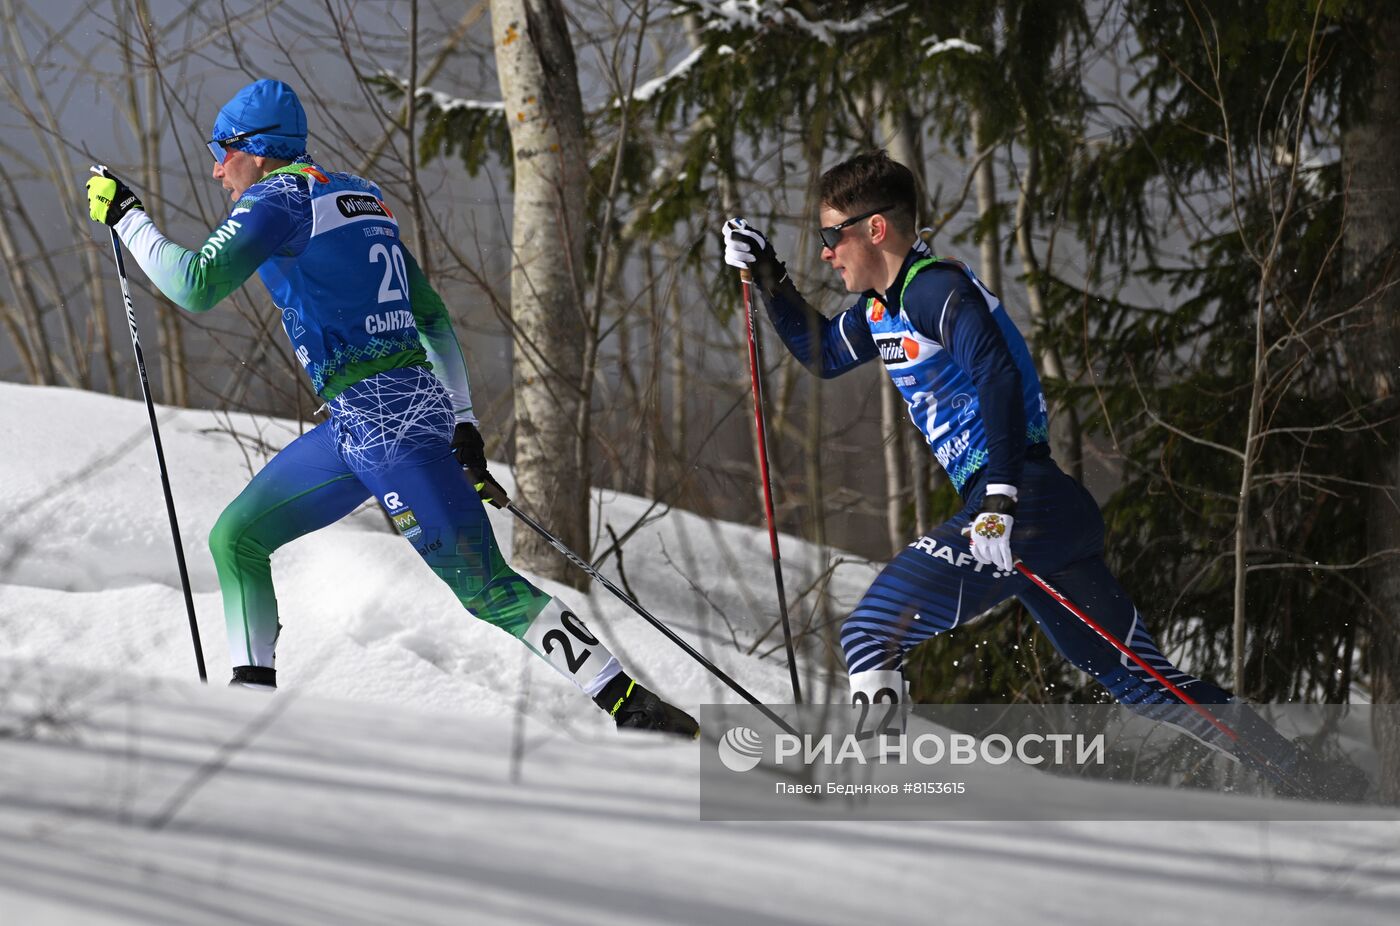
(826, 346)
(269, 219)
(944, 304)
(285, 214)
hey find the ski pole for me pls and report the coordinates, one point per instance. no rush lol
(1124, 649)
(1263, 760)
(761, 429)
(626, 599)
(160, 455)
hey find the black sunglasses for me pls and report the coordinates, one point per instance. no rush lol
(831, 234)
(219, 147)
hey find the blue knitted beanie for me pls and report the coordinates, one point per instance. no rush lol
(259, 105)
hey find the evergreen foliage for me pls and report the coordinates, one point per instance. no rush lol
(1213, 179)
(1226, 194)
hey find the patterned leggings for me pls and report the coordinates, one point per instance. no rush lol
(388, 436)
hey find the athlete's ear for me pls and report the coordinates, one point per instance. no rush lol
(879, 228)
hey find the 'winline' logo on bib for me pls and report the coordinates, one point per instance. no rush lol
(354, 205)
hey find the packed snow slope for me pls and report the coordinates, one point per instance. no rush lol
(418, 767)
(90, 577)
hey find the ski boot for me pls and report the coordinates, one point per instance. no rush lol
(258, 678)
(635, 708)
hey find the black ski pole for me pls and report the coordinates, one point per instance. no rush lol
(160, 455)
(626, 599)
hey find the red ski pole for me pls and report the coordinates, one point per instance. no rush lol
(746, 281)
(1282, 775)
(1124, 649)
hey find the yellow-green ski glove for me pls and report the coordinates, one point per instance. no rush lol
(108, 198)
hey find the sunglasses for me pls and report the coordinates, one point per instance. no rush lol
(831, 234)
(220, 147)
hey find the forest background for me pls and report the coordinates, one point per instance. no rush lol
(1191, 209)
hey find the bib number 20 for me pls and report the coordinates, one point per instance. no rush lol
(395, 272)
(562, 639)
(558, 638)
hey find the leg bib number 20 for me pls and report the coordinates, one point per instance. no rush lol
(566, 644)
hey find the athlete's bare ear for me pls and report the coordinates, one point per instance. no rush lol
(879, 228)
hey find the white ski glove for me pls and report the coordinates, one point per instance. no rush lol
(989, 535)
(745, 248)
(742, 244)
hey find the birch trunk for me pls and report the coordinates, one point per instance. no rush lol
(989, 240)
(892, 435)
(539, 84)
(1065, 439)
(174, 370)
(902, 139)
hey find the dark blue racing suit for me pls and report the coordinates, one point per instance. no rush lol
(972, 390)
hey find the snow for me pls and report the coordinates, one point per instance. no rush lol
(937, 46)
(654, 86)
(728, 15)
(89, 537)
(446, 102)
(391, 779)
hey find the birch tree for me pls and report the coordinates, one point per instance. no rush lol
(544, 110)
(1216, 180)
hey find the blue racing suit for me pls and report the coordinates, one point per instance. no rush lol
(972, 390)
(377, 344)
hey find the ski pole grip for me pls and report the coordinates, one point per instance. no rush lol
(745, 275)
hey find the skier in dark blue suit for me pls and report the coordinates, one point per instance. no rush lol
(972, 390)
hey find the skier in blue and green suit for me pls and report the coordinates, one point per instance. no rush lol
(376, 342)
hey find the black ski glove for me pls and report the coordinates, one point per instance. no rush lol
(470, 451)
(108, 198)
